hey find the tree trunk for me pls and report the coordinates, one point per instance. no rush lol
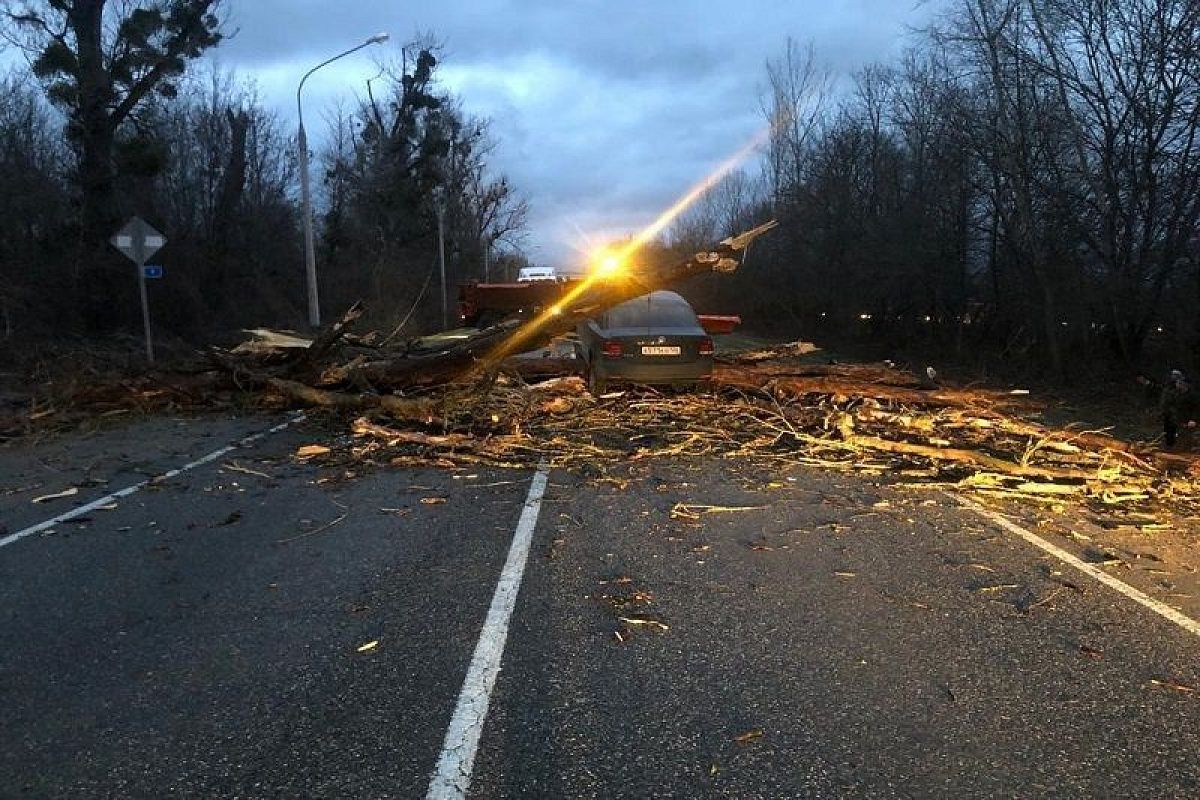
(92, 127)
(1052, 330)
(229, 200)
(233, 182)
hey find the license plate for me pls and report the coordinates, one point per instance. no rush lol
(661, 351)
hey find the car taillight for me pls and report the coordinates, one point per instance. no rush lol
(613, 349)
(706, 346)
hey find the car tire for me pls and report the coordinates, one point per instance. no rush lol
(597, 383)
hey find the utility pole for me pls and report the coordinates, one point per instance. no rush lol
(487, 259)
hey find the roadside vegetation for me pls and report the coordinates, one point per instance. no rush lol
(1021, 189)
(118, 114)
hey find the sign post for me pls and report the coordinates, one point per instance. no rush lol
(138, 240)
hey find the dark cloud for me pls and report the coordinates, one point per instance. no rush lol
(605, 109)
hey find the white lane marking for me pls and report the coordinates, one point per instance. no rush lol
(128, 490)
(452, 776)
(1158, 607)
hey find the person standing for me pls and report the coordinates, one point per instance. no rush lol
(1178, 406)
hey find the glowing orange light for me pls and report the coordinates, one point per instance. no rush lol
(609, 265)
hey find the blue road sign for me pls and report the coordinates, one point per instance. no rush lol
(152, 271)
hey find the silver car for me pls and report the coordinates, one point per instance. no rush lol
(653, 339)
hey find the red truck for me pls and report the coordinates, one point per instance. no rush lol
(484, 304)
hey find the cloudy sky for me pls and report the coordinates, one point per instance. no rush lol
(606, 110)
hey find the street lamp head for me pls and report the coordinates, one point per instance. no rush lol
(379, 38)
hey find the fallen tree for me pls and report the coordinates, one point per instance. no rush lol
(364, 367)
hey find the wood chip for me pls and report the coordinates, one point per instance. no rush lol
(1173, 686)
(693, 511)
(234, 466)
(57, 495)
(650, 623)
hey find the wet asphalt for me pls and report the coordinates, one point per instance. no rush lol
(832, 637)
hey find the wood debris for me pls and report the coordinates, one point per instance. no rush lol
(867, 418)
(693, 511)
(1174, 686)
(790, 349)
(234, 466)
(647, 623)
(313, 532)
(57, 495)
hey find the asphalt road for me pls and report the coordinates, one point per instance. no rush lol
(263, 626)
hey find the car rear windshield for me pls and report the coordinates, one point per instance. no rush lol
(652, 312)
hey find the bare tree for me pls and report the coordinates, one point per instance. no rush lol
(1126, 76)
(408, 143)
(33, 207)
(798, 91)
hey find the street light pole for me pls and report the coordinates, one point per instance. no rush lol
(440, 210)
(310, 253)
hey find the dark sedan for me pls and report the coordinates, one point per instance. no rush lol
(653, 339)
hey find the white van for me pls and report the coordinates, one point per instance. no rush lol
(528, 274)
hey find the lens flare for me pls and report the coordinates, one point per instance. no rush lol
(612, 263)
(685, 202)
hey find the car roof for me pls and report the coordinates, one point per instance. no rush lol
(662, 297)
(661, 309)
